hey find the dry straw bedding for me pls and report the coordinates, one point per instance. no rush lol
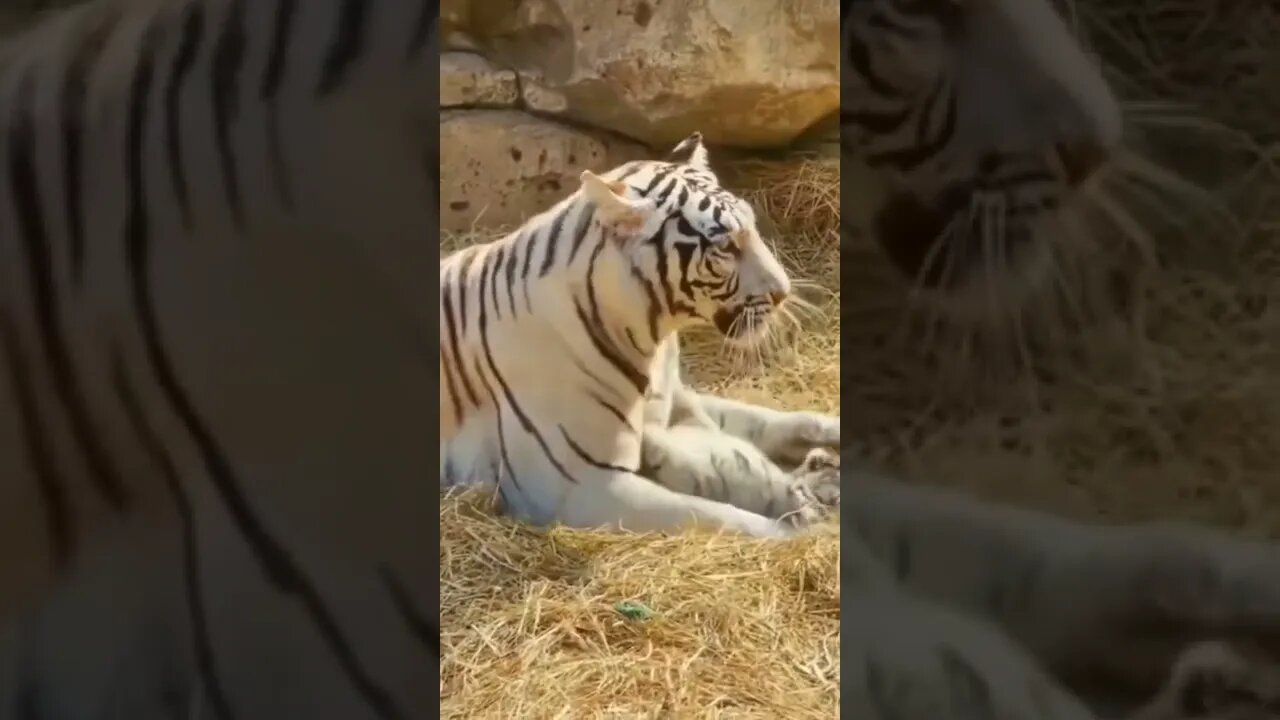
(537, 625)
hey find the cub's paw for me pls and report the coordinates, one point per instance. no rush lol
(817, 479)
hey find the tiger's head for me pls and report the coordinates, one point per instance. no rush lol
(691, 251)
(969, 131)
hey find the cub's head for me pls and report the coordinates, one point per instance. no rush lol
(969, 129)
(690, 248)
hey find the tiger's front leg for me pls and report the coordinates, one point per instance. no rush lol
(910, 658)
(907, 657)
(1105, 608)
(786, 437)
(708, 463)
(566, 474)
(1158, 588)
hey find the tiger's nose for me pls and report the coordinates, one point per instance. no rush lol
(1080, 160)
(777, 296)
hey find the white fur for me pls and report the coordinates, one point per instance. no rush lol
(705, 482)
(705, 445)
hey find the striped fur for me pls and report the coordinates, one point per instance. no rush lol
(212, 367)
(598, 286)
(701, 444)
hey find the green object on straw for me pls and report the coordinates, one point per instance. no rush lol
(632, 610)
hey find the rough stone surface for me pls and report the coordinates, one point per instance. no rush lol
(504, 166)
(469, 80)
(747, 73)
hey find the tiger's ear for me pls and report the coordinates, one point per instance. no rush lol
(615, 211)
(691, 152)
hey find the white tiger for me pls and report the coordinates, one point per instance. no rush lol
(598, 429)
(969, 130)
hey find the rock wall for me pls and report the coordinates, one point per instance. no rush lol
(534, 91)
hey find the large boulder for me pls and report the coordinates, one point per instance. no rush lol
(500, 167)
(469, 80)
(747, 73)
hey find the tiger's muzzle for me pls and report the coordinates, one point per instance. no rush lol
(748, 322)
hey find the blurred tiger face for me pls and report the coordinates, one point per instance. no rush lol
(718, 268)
(968, 127)
(692, 247)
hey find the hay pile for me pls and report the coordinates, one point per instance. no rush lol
(580, 624)
(538, 625)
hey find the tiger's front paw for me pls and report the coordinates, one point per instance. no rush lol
(820, 431)
(815, 490)
(1214, 679)
(817, 480)
(804, 517)
(806, 431)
